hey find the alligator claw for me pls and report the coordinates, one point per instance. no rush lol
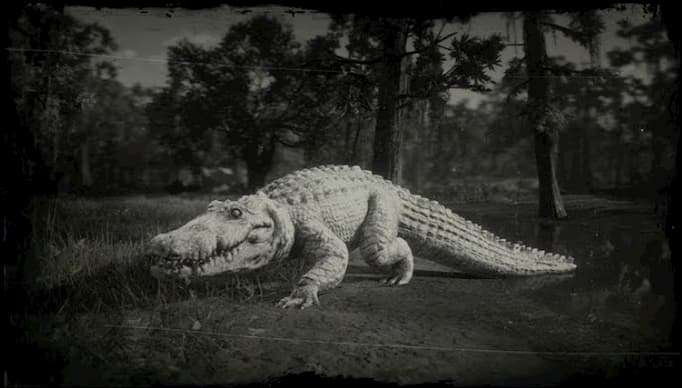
(397, 280)
(302, 297)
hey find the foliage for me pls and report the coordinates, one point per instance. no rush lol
(470, 57)
(49, 74)
(605, 112)
(406, 89)
(258, 89)
(110, 138)
(646, 106)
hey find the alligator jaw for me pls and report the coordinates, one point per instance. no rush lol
(220, 260)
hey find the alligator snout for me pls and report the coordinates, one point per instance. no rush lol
(159, 247)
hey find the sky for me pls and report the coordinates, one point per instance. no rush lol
(143, 36)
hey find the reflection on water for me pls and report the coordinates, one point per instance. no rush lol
(624, 275)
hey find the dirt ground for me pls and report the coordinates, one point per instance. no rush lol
(442, 327)
(465, 331)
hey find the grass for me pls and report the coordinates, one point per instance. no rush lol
(88, 264)
(73, 237)
(89, 255)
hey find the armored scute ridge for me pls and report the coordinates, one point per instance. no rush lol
(329, 214)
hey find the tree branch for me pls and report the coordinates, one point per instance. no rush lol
(356, 61)
(442, 27)
(567, 71)
(572, 34)
(514, 89)
(429, 46)
(295, 130)
(426, 94)
(555, 26)
(288, 144)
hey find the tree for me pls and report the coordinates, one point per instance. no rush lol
(544, 118)
(109, 139)
(45, 87)
(377, 48)
(672, 231)
(258, 88)
(49, 75)
(387, 135)
(182, 113)
(655, 97)
(580, 98)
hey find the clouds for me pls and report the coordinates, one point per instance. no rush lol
(127, 53)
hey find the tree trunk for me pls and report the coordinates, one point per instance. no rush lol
(86, 173)
(347, 143)
(546, 134)
(582, 178)
(589, 113)
(422, 147)
(586, 166)
(388, 136)
(657, 175)
(672, 227)
(633, 158)
(620, 159)
(258, 159)
(354, 159)
(579, 178)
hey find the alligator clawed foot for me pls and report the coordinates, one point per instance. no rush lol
(302, 297)
(397, 280)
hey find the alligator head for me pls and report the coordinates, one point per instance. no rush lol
(231, 236)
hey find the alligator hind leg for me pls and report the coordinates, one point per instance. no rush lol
(378, 242)
(397, 259)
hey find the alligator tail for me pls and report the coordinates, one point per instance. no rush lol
(435, 232)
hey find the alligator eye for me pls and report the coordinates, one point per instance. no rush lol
(235, 212)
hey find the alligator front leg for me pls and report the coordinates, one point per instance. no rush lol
(330, 257)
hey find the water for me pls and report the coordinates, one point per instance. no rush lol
(624, 275)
